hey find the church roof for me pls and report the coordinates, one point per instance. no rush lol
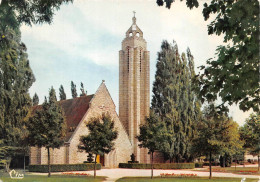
(74, 110)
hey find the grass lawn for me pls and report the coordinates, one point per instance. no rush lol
(53, 178)
(238, 170)
(198, 179)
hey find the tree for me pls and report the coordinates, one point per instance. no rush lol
(82, 90)
(214, 134)
(16, 77)
(234, 145)
(233, 75)
(250, 133)
(73, 90)
(62, 93)
(174, 100)
(151, 135)
(47, 126)
(100, 139)
(35, 100)
(32, 11)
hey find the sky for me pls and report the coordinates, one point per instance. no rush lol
(82, 44)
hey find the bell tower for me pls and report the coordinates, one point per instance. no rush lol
(134, 86)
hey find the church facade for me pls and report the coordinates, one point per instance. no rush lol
(134, 104)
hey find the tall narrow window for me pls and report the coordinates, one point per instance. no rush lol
(128, 58)
(140, 60)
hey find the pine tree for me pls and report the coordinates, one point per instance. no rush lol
(47, 126)
(73, 90)
(174, 100)
(82, 90)
(35, 100)
(62, 93)
(100, 139)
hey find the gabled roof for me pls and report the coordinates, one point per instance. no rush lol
(74, 110)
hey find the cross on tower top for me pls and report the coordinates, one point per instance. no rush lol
(134, 13)
(134, 19)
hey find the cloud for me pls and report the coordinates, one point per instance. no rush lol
(83, 41)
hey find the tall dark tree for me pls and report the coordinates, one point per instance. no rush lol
(47, 126)
(233, 74)
(62, 93)
(152, 134)
(100, 139)
(82, 90)
(16, 77)
(73, 90)
(35, 100)
(174, 101)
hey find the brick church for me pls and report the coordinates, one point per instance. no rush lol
(134, 104)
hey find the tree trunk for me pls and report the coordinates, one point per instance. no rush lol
(95, 166)
(49, 165)
(258, 161)
(235, 164)
(210, 173)
(152, 166)
(224, 161)
(24, 163)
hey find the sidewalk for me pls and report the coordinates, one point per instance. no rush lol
(116, 173)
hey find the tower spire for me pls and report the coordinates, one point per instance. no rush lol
(134, 18)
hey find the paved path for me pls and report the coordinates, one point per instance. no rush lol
(114, 174)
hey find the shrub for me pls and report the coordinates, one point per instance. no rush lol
(158, 166)
(63, 167)
(199, 165)
(212, 164)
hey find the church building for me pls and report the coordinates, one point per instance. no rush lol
(134, 104)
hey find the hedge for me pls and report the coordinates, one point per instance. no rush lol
(64, 167)
(212, 164)
(158, 165)
(199, 165)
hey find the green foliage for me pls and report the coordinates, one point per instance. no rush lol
(151, 133)
(47, 125)
(62, 93)
(216, 134)
(199, 165)
(16, 77)
(101, 135)
(250, 133)
(31, 11)
(175, 102)
(82, 90)
(158, 166)
(35, 100)
(63, 167)
(233, 75)
(73, 90)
